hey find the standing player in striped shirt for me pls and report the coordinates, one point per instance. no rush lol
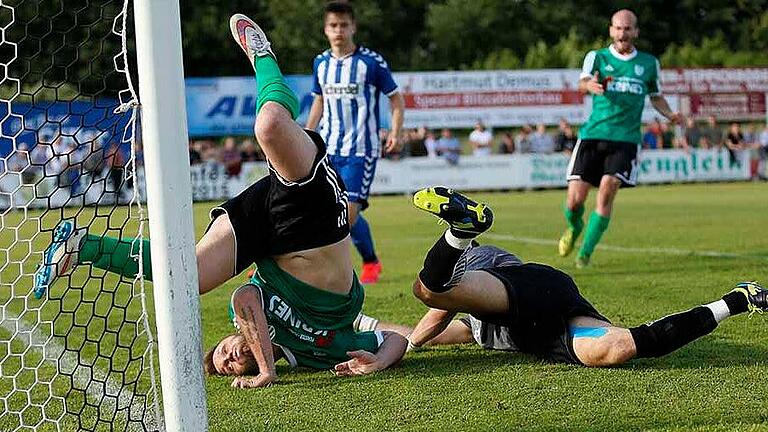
(348, 80)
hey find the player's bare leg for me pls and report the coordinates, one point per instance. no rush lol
(291, 153)
(578, 190)
(215, 254)
(599, 219)
(597, 343)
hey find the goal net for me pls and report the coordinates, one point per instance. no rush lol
(81, 356)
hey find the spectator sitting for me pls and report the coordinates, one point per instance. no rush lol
(566, 138)
(230, 157)
(415, 144)
(711, 136)
(209, 151)
(734, 141)
(507, 145)
(667, 136)
(541, 141)
(650, 141)
(194, 152)
(449, 147)
(523, 140)
(481, 140)
(430, 143)
(692, 136)
(751, 142)
(249, 152)
(763, 141)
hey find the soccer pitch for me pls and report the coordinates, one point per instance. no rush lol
(668, 248)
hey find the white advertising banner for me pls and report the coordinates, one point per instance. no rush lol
(458, 99)
(496, 172)
(503, 98)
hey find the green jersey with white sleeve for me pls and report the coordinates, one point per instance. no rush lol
(627, 80)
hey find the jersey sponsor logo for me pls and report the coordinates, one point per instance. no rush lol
(341, 90)
(639, 69)
(621, 85)
(279, 308)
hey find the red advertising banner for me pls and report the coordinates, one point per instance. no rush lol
(729, 106)
(492, 99)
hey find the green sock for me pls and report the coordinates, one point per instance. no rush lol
(115, 255)
(272, 87)
(595, 229)
(575, 222)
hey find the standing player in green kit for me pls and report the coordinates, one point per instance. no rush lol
(618, 78)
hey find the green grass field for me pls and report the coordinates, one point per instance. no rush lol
(717, 383)
(668, 248)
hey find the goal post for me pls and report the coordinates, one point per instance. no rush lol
(79, 337)
(169, 201)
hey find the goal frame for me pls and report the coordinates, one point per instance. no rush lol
(169, 202)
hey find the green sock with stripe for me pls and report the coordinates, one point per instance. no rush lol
(595, 229)
(574, 219)
(272, 87)
(116, 255)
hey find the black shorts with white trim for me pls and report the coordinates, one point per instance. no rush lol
(275, 216)
(592, 159)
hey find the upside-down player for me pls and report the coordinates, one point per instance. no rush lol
(293, 224)
(534, 308)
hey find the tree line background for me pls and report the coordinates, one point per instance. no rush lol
(417, 35)
(61, 49)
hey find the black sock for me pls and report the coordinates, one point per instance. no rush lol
(737, 302)
(439, 266)
(672, 332)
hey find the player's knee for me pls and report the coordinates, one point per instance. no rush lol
(610, 350)
(268, 125)
(354, 211)
(423, 293)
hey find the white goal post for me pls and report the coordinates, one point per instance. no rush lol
(169, 200)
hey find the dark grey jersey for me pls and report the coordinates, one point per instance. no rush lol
(489, 336)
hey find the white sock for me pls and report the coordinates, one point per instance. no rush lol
(455, 242)
(364, 323)
(719, 310)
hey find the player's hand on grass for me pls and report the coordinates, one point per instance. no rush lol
(594, 85)
(260, 380)
(362, 363)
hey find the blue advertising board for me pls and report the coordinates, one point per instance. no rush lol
(227, 105)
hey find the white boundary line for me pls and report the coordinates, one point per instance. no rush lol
(652, 250)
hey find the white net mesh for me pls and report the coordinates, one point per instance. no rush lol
(81, 356)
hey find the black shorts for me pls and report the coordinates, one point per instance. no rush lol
(275, 216)
(542, 301)
(592, 159)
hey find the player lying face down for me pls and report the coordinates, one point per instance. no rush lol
(534, 308)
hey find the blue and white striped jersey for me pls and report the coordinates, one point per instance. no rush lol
(350, 87)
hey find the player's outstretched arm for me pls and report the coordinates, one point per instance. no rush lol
(253, 325)
(364, 362)
(661, 105)
(432, 324)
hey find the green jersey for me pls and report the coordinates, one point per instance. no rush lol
(627, 79)
(312, 327)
